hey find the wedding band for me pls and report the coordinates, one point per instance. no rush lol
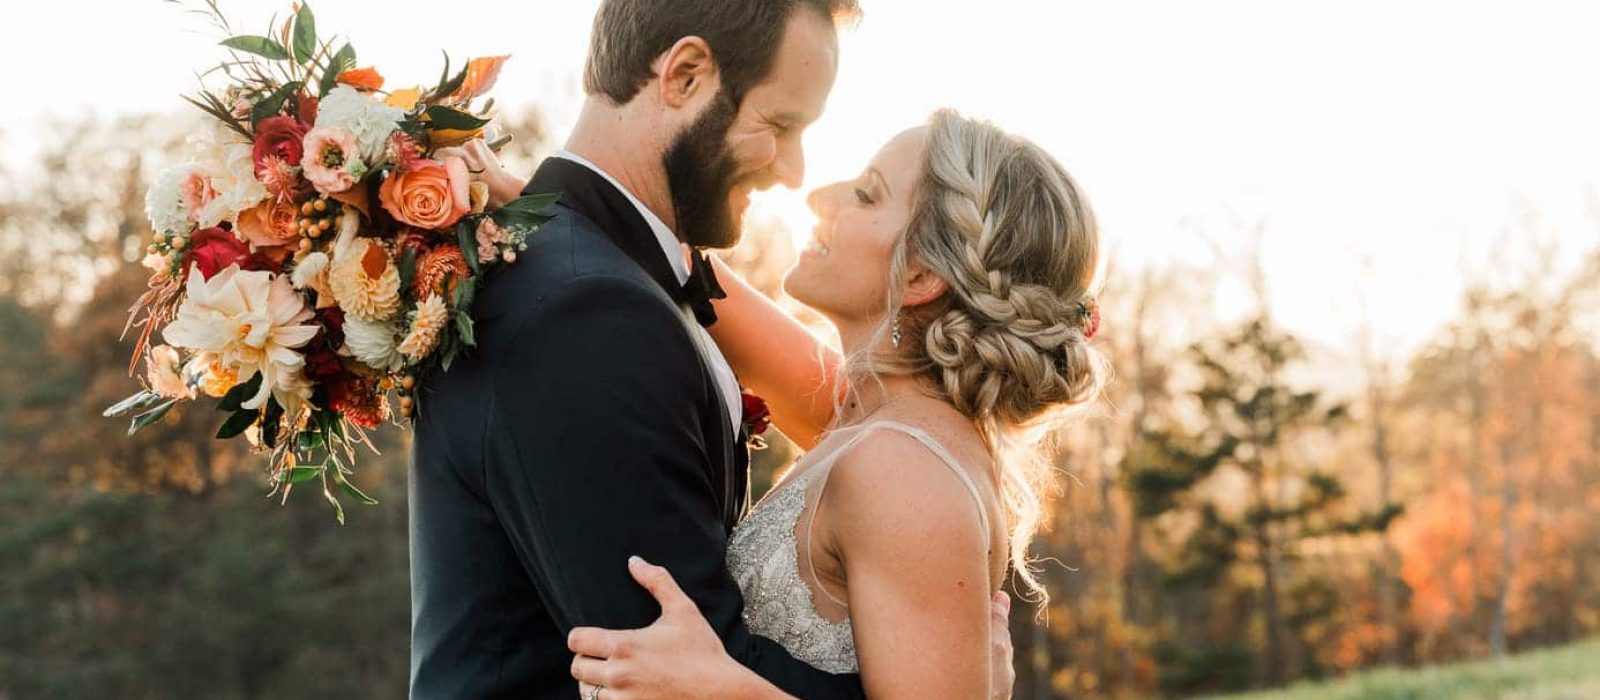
(594, 694)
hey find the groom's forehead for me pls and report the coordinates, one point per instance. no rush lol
(803, 71)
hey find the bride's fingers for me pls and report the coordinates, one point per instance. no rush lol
(662, 587)
(595, 642)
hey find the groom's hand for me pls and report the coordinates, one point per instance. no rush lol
(485, 167)
(677, 656)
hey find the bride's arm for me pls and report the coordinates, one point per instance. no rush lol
(777, 357)
(918, 572)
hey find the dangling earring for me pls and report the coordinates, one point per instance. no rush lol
(894, 333)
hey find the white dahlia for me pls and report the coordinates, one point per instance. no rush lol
(369, 119)
(373, 343)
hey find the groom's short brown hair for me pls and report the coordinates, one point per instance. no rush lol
(743, 34)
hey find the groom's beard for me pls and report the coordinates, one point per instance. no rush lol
(700, 173)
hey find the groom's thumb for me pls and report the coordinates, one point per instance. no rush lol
(659, 582)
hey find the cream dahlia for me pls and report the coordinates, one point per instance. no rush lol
(428, 320)
(253, 321)
(365, 281)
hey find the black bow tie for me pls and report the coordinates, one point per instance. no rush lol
(701, 288)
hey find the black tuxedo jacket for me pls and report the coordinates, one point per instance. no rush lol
(584, 428)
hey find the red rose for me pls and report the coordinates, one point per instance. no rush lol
(214, 249)
(756, 415)
(278, 137)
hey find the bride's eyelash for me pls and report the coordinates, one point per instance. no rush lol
(862, 196)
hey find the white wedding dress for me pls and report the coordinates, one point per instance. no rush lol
(770, 549)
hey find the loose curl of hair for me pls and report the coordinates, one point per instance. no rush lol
(1007, 229)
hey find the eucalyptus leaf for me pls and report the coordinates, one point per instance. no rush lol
(151, 416)
(237, 423)
(305, 34)
(137, 402)
(258, 45)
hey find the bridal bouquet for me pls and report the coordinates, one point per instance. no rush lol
(309, 257)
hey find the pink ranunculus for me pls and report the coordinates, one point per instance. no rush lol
(329, 152)
(280, 137)
(431, 195)
(197, 191)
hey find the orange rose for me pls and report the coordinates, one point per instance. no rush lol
(431, 195)
(361, 78)
(269, 224)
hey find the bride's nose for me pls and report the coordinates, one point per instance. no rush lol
(821, 202)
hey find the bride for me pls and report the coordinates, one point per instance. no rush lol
(958, 270)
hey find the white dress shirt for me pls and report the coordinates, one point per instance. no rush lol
(674, 250)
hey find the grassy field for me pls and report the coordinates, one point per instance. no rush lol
(1564, 673)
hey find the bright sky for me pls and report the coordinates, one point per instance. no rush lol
(1409, 133)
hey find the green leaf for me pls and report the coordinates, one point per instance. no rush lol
(151, 416)
(408, 266)
(309, 440)
(272, 104)
(527, 211)
(448, 351)
(305, 34)
(240, 393)
(271, 422)
(440, 117)
(467, 238)
(298, 475)
(338, 510)
(237, 423)
(354, 492)
(258, 45)
(464, 327)
(466, 291)
(342, 61)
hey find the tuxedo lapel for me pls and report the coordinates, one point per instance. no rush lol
(588, 193)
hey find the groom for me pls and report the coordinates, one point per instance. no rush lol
(597, 420)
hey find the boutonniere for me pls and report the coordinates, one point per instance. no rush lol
(757, 418)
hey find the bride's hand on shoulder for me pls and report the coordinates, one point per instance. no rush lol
(485, 167)
(677, 656)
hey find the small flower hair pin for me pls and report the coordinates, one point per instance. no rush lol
(1089, 317)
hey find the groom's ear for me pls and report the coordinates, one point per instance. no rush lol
(687, 71)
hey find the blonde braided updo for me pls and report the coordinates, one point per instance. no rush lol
(1009, 232)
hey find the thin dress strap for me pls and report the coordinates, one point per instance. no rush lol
(927, 441)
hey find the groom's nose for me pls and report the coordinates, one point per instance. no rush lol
(790, 166)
